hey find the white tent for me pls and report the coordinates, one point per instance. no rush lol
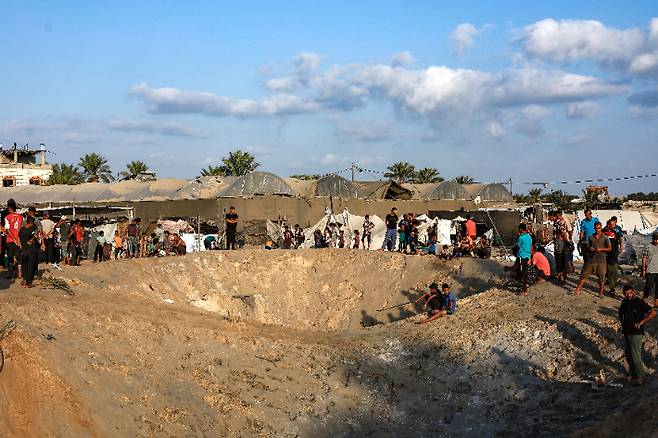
(350, 223)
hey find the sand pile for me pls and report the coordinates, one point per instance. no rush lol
(162, 347)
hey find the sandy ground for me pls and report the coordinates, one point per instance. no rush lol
(290, 343)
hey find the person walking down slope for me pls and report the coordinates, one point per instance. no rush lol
(633, 315)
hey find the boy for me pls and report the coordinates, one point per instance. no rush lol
(118, 245)
(356, 240)
(100, 243)
(367, 231)
(440, 304)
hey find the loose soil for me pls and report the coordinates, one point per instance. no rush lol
(291, 343)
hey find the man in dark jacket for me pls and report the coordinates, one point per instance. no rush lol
(633, 314)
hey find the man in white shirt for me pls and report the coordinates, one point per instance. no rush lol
(47, 237)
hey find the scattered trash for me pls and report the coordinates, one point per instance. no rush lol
(48, 337)
(168, 300)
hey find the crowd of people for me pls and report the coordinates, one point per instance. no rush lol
(600, 247)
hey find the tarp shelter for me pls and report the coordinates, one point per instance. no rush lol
(383, 190)
(257, 183)
(420, 191)
(337, 186)
(350, 223)
(448, 190)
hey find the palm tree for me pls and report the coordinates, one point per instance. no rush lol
(237, 163)
(305, 177)
(535, 195)
(401, 172)
(65, 174)
(427, 176)
(212, 171)
(133, 169)
(463, 179)
(95, 168)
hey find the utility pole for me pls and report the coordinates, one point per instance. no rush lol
(510, 186)
(353, 171)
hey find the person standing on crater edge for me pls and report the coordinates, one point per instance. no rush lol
(231, 221)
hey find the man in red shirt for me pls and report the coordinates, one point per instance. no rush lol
(12, 226)
(471, 229)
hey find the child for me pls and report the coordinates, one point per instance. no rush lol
(367, 231)
(448, 304)
(402, 238)
(356, 240)
(341, 239)
(118, 245)
(100, 243)
(432, 300)
(431, 246)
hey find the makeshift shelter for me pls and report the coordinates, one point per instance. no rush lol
(337, 186)
(448, 190)
(302, 187)
(383, 190)
(349, 223)
(420, 191)
(257, 183)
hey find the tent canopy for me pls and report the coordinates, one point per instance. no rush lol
(257, 183)
(449, 190)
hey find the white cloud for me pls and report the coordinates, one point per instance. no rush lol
(495, 129)
(328, 159)
(151, 127)
(363, 130)
(401, 59)
(436, 94)
(530, 122)
(462, 37)
(581, 110)
(173, 100)
(633, 50)
(577, 139)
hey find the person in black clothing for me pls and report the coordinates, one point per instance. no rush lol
(391, 230)
(633, 314)
(29, 240)
(231, 221)
(432, 299)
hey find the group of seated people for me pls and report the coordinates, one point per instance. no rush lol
(438, 303)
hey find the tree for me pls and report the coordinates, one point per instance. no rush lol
(534, 195)
(65, 174)
(133, 169)
(401, 172)
(560, 200)
(212, 171)
(237, 163)
(427, 176)
(95, 168)
(463, 179)
(305, 177)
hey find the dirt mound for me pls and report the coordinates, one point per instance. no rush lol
(160, 347)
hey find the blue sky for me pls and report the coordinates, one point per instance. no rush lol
(559, 91)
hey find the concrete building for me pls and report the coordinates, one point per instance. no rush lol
(24, 166)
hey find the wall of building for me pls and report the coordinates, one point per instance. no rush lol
(303, 211)
(23, 172)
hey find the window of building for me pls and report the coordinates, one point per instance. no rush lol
(36, 181)
(8, 181)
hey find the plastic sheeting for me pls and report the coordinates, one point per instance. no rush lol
(257, 183)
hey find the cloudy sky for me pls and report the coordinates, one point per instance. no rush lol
(563, 91)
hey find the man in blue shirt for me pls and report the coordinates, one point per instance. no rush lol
(586, 230)
(524, 243)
